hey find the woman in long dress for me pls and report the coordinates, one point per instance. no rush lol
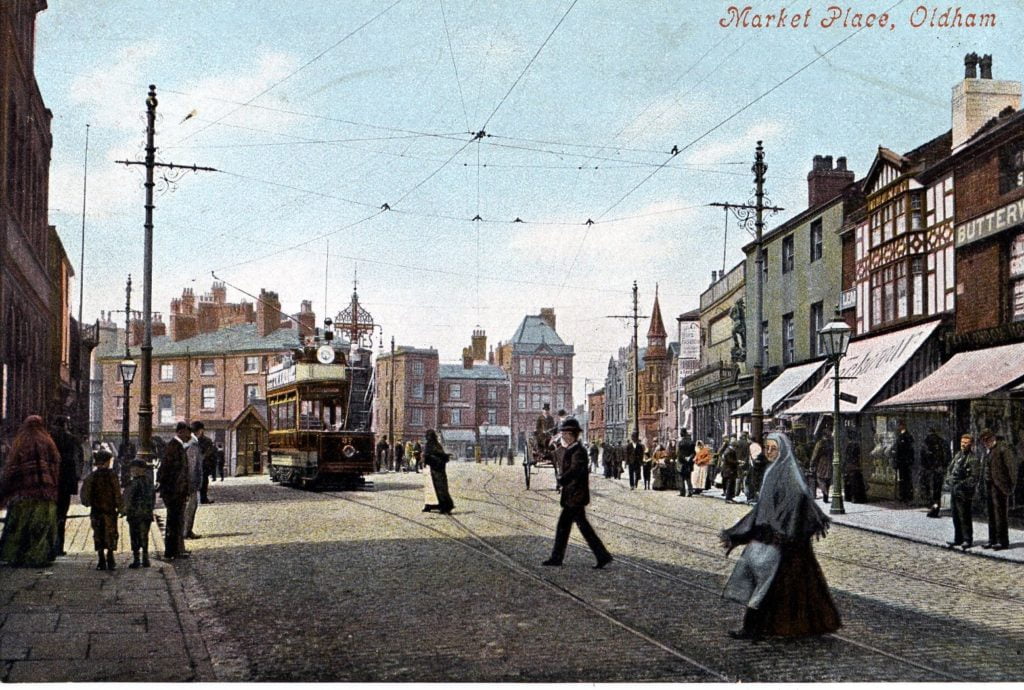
(28, 489)
(436, 459)
(777, 576)
(701, 460)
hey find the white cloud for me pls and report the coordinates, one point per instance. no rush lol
(104, 94)
(735, 148)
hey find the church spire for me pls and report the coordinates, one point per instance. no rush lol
(657, 328)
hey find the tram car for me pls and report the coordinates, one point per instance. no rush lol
(318, 410)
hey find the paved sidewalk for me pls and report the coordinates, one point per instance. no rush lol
(911, 523)
(71, 622)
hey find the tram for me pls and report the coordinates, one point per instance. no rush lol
(318, 410)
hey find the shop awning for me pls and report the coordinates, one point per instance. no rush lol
(778, 390)
(968, 375)
(458, 435)
(492, 430)
(870, 363)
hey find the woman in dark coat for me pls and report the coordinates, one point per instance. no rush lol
(28, 489)
(777, 577)
(436, 459)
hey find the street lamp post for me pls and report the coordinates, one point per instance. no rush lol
(835, 337)
(126, 369)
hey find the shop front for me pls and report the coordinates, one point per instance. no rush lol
(874, 369)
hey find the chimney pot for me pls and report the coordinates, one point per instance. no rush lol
(986, 67)
(841, 163)
(971, 66)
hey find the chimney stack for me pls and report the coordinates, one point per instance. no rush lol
(306, 318)
(976, 101)
(547, 315)
(479, 344)
(825, 182)
(268, 313)
(467, 358)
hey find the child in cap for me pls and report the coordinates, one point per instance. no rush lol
(101, 493)
(139, 500)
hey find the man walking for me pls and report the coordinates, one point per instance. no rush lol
(821, 462)
(195, 480)
(729, 464)
(594, 452)
(961, 479)
(574, 479)
(998, 472)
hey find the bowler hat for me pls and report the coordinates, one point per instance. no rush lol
(570, 424)
(101, 457)
(197, 425)
(182, 425)
(547, 406)
(986, 433)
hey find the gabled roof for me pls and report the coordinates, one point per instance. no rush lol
(913, 161)
(256, 408)
(478, 372)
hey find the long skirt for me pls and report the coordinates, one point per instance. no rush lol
(699, 476)
(798, 601)
(444, 499)
(29, 533)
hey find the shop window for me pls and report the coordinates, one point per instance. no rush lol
(1017, 277)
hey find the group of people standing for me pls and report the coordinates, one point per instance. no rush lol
(38, 479)
(406, 457)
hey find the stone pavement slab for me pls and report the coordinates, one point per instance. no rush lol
(70, 622)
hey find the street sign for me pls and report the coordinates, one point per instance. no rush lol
(846, 397)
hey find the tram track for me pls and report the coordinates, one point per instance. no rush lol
(660, 573)
(499, 557)
(539, 528)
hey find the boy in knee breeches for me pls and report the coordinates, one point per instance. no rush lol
(139, 500)
(101, 493)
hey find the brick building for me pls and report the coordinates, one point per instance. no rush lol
(466, 402)
(36, 344)
(415, 372)
(539, 365)
(615, 398)
(473, 403)
(209, 363)
(595, 421)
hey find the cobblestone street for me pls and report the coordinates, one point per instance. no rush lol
(291, 585)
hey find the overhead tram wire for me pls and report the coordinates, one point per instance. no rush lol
(295, 71)
(677, 151)
(525, 69)
(739, 111)
(451, 52)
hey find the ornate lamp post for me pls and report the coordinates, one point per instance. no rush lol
(835, 339)
(127, 369)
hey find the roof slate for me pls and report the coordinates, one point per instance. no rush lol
(533, 333)
(232, 339)
(478, 372)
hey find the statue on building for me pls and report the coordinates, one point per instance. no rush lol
(739, 331)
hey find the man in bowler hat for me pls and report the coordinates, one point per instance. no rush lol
(574, 478)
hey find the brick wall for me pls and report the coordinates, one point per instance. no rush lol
(980, 286)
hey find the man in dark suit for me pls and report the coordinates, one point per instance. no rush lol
(174, 489)
(574, 479)
(634, 459)
(67, 482)
(998, 472)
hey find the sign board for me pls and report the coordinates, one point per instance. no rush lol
(1017, 256)
(992, 223)
(846, 397)
(1011, 167)
(280, 376)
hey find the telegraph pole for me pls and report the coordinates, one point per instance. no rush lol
(743, 213)
(636, 357)
(391, 406)
(145, 393)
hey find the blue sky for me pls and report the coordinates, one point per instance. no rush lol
(316, 122)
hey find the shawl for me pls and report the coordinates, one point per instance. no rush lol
(434, 454)
(785, 507)
(33, 466)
